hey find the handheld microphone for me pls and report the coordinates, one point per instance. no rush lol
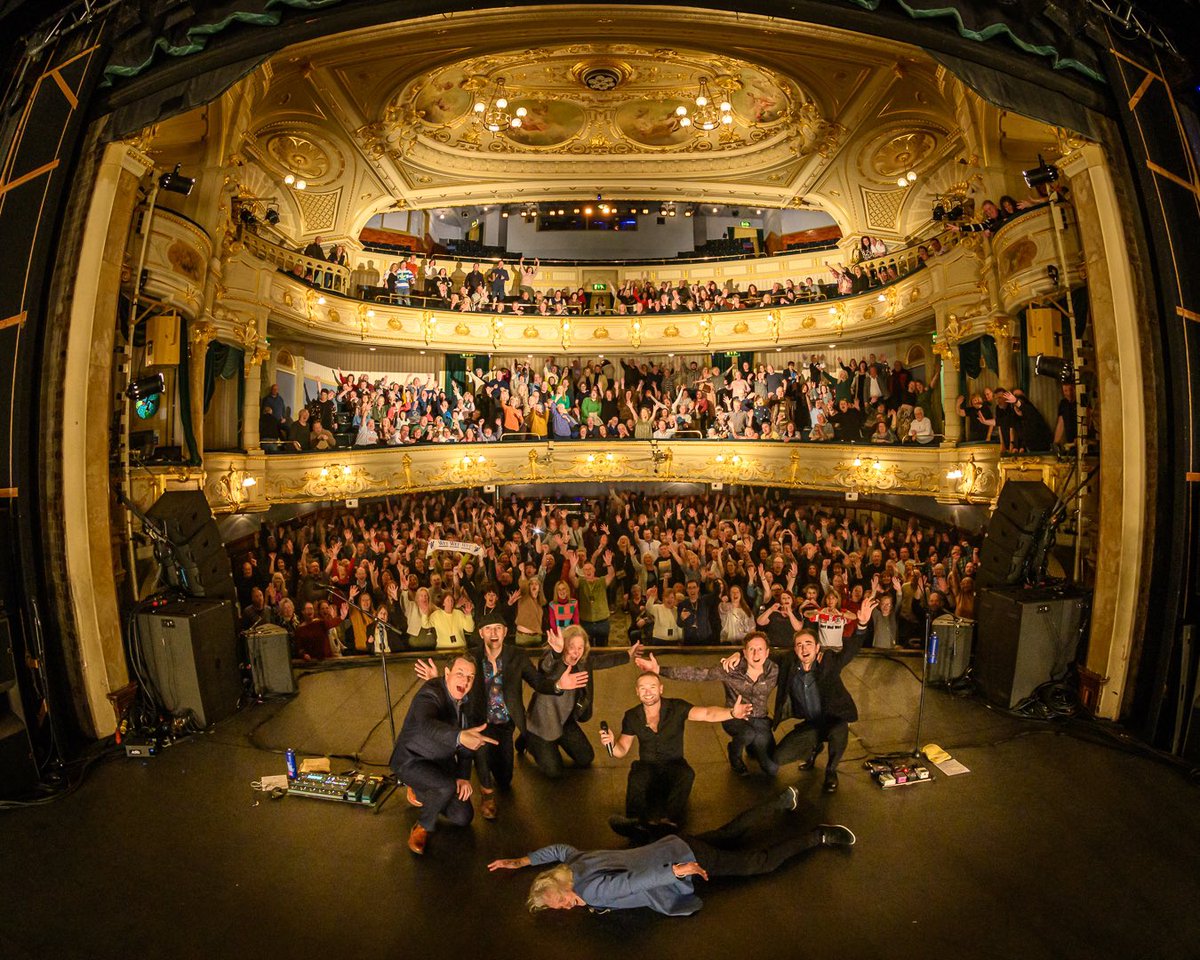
(604, 729)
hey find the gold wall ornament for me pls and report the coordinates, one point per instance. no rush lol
(773, 325)
(530, 332)
(601, 465)
(869, 312)
(394, 323)
(1000, 326)
(288, 299)
(334, 316)
(462, 330)
(808, 322)
(635, 332)
(497, 331)
(537, 459)
(741, 326)
(428, 326)
(671, 331)
(837, 315)
(311, 299)
(705, 329)
(258, 357)
(565, 330)
(600, 333)
(948, 338)
(915, 295)
(200, 334)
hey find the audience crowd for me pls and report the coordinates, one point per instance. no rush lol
(422, 572)
(866, 399)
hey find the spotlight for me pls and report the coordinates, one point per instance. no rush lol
(1056, 368)
(174, 182)
(272, 216)
(1043, 173)
(939, 211)
(145, 393)
(1052, 273)
(246, 215)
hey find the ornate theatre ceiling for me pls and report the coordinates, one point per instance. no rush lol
(384, 119)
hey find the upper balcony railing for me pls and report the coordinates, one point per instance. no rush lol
(952, 474)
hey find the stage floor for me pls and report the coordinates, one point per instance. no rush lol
(1051, 846)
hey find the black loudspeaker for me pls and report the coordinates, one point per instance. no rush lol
(1013, 531)
(270, 660)
(203, 569)
(18, 767)
(1026, 638)
(189, 651)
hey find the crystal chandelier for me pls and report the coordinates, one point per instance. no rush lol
(493, 114)
(707, 115)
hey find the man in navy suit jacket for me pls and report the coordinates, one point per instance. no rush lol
(434, 751)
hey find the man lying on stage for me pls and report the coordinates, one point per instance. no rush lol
(434, 751)
(659, 875)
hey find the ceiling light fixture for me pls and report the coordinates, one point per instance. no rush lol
(707, 115)
(493, 114)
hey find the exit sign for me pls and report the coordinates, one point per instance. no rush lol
(745, 223)
(599, 287)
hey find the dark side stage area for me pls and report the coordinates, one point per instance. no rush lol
(1058, 843)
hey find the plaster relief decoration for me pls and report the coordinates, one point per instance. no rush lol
(307, 152)
(590, 100)
(907, 151)
(883, 208)
(318, 210)
(185, 260)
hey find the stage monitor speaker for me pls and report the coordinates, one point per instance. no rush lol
(1013, 531)
(270, 660)
(189, 648)
(190, 526)
(950, 656)
(1025, 638)
(18, 766)
(1043, 332)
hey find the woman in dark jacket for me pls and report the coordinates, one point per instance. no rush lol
(553, 722)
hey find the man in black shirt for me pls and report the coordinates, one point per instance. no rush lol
(847, 422)
(697, 614)
(660, 780)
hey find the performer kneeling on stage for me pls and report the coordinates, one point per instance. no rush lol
(660, 780)
(433, 753)
(659, 875)
(811, 690)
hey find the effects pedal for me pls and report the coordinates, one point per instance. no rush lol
(896, 773)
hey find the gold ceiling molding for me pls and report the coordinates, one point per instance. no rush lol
(306, 151)
(318, 210)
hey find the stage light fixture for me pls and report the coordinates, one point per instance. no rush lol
(174, 182)
(1043, 173)
(145, 393)
(246, 215)
(272, 216)
(939, 211)
(1055, 368)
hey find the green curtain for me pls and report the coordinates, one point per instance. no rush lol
(183, 390)
(973, 356)
(456, 372)
(222, 362)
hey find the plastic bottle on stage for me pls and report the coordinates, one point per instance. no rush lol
(293, 770)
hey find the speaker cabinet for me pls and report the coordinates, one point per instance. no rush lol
(204, 569)
(270, 660)
(162, 340)
(189, 648)
(18, 767)
(1043, 332)
(1026, 638)
(1013, 531)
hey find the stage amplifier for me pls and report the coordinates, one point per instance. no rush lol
(355, 788)
(270, 660)
(949, 653)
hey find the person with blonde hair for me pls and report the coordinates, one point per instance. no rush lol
(661, 875)
(553, 722)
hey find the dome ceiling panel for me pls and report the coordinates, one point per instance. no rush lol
(601, 95)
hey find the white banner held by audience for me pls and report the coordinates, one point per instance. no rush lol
(454, 546)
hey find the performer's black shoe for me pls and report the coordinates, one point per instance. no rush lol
(811, 761)
(789, 799)
(835, 835)
(831, 783)
(736, 761)
(629, 828)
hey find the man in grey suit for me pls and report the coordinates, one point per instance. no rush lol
(434, 751)
(660, 874)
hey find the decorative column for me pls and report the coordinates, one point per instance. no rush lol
(950, 331)
(253, 336)
(201, 333)
(1000, 327)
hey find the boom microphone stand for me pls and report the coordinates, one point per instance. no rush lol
(387, 686)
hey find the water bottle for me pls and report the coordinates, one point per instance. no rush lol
(293, 770)
(931, 656)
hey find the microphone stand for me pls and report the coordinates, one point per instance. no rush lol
(387, 686)
(924, 681)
